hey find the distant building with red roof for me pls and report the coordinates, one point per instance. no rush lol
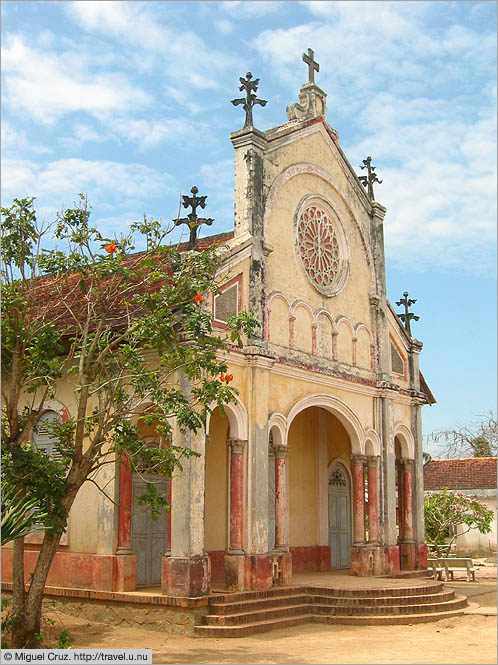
(473, 476)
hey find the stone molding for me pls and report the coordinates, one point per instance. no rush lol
(280, 451)
(236, 445)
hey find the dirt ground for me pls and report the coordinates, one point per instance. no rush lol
(467, 639)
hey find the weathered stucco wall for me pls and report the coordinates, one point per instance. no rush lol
(302, 480)
(216, 484)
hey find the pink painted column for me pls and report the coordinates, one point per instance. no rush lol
(407, 470)
(373, 499)
(401, 494)
(358, 499)
(236, 495)
(281, 499)
(124, 522)
(170, 494)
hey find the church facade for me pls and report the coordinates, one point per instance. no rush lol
(319, 464)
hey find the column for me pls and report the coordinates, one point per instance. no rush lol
(168, 548)
(187, 572)
(358, 499)
(124, 526)
(125, 568)
(236, 495)
(401, 494)
(407, 503)
(281, 499)
(373, 499)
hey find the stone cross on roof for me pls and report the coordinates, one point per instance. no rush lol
(407, 316)
(192, 221)
(312, 65)
(368, 180)
(250, 87)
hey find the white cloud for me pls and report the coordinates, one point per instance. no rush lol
(46, 85)
(250, 8)
(224, 26)
(183, 54)
(441, 198)
(14, 140)
(61, 181)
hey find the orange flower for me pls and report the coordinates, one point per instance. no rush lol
(199, 298)
(111, 248)
(222, 378)
(228, 377)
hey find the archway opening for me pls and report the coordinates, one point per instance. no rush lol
(318, 446)
(216, 497)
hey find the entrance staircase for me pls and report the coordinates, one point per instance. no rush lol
(246, 613)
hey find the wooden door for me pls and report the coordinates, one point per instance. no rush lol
(339, 517)
(149, 539)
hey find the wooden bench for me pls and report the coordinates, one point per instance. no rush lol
(454, 564)
(437, 568)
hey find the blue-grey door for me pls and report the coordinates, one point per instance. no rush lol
(339, 517)
(149, 539)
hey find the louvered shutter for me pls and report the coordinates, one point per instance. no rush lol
(43, 437)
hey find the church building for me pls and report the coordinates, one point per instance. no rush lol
(318, 466)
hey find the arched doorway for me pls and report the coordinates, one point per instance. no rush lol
(320, 521)
(149, 538)
(339, 495)
(216, 505)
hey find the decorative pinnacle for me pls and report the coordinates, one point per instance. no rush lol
(312, 65)
(250, 87)
(407, 316)
(368, 180)
(192, 221)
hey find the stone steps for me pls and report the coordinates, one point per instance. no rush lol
(320, 599)
(275, 624)
(247, 613)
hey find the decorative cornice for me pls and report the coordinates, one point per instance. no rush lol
(280, 451)
(236, 445)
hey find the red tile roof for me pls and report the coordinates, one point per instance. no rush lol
(460, 474)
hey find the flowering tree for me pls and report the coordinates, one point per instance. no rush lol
(445, 510)
(113, 327)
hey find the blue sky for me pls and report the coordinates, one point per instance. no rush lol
(129, 102)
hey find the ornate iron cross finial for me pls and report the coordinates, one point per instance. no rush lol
(192, 221)
(312, 65)
(369, 180)
(250, 87)
(407, 316)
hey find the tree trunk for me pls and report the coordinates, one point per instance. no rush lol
(18, 593)
(23, 633)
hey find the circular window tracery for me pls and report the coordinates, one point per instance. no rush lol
(321, 247)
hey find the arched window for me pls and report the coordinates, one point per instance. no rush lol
(43, 436)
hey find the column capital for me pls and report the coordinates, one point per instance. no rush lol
(373, 460)
(406, 463)
(236, 445)
(280, 450)
(358, 459)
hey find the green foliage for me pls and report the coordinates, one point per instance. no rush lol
(20, 515)
(119, 329)
(445, 510)
(64, 640)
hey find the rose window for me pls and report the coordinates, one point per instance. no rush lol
(318, 247)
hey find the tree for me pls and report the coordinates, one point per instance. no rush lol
(116, 327)
(477, 439)
(445, 511)
(20, 515)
